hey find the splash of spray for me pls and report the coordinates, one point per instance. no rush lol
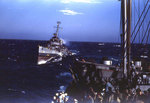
(65, 41)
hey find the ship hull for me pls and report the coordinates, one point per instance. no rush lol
(48, 59)
(46, 56)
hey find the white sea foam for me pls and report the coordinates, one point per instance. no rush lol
(117, 46)
(144, 56)
(114, 59)
(62, 88)
(65, 74)
(101, 44)
(75, 52)
(64, 41)
(15, 90)
(42, 62)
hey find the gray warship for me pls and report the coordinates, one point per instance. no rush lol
(54, 51)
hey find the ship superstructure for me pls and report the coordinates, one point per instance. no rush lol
(54, 51)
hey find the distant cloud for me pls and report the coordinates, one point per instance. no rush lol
(50, 1)
(70, 12)
(80, 1)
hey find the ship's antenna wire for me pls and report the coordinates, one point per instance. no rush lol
(148, 36)
(145, 32)
(141, 24)
(139, 18)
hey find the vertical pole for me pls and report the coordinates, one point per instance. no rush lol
(57, 28)
(125, 39)
(129, 13)
(126, 25)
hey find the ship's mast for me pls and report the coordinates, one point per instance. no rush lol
(129, 16)
(57, 29)
(126, 30)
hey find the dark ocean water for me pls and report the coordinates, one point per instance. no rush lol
(22, 81)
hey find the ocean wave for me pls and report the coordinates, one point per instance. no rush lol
(64, 74)
(62, 88)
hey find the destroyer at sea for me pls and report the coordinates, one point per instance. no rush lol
(54, 51)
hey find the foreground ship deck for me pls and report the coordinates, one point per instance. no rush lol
(94, 74)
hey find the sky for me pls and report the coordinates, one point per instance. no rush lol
(81, 20)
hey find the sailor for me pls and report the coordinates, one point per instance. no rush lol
(108, 84)
(83, 60)
(109, 96)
